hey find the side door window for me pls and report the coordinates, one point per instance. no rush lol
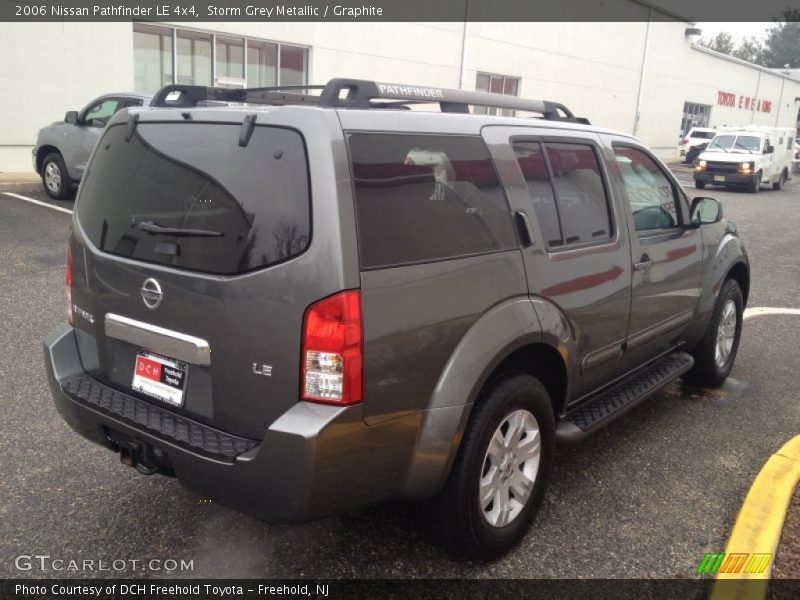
(652, 197)
(580, 193)
(531, 160)
(567, 191)
(128, 102)
(98, 114)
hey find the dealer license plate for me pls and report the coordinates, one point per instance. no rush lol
(719, 177)
(160, 377)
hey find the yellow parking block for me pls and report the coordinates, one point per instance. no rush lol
(758, 526)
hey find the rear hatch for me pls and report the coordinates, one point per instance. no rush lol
(192, 271)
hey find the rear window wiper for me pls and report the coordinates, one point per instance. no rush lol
(154, 228)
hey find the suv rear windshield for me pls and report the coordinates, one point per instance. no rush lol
(189, 196)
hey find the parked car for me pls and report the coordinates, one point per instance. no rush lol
(747, 157)
(62, 148)
(696, 136)
(694, 152)
(300, 306)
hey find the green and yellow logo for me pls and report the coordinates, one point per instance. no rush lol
(741, 562)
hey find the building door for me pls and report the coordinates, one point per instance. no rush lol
(694, 115)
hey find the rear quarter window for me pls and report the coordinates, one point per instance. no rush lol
(426, 197)
(188, 196)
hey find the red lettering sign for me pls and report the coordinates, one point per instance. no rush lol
(745, 102)
(148, 368)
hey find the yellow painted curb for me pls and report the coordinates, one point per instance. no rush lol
(760, 521)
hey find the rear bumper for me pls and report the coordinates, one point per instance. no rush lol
(313, 461)
(730, 178)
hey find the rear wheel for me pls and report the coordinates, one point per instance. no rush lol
(716, 352)
(779, 184)
(700, 185)
(55, 179)
(499, 476)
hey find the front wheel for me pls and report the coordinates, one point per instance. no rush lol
(716, 352)
(499, 476)
(755, 184)
(55, 179)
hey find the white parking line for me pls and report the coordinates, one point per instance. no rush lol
(757, 311)
(39, 202)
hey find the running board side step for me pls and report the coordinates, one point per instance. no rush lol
(599, 412)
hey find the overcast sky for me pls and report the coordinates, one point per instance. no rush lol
(737, 30)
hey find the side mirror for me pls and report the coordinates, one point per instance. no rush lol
(705, 211)
(769, 149)
(71, 117)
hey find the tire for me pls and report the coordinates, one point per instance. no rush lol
(473, 529)
(709, 370)
(755, 185)
(700, 185)
(55, 179)
(779, 184)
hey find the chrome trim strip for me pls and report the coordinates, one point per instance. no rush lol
(654, 331)
(164, 341)
(598, 357)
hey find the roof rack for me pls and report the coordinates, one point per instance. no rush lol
(358, 93)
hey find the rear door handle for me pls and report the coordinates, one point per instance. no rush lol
(524, 228)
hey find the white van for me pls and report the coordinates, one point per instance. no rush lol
(746, 157)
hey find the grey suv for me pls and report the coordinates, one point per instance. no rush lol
(302, 302)
(62, 148)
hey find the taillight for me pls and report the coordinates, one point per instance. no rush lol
(69, 284)
(685, 141)
(333, 350)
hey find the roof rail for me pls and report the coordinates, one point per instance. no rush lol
(359, 93)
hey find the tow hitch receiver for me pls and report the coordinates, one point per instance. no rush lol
(145, 459)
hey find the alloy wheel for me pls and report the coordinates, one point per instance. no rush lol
(726, 333)
(510, 468)
(52, 177)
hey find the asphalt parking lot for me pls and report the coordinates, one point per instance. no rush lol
(646, 497)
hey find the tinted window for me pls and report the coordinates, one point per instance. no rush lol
(650, 193)
(531, 161)
(132, 102)
(703, 135)
(582, 203)
(97, 115)
(426, 197)
(250, 204)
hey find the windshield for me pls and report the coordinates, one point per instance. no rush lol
(189, 196)
(749, 143)
(736, 143)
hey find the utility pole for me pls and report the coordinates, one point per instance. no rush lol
(641, 74)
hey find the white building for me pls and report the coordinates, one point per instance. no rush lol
(646, 78)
